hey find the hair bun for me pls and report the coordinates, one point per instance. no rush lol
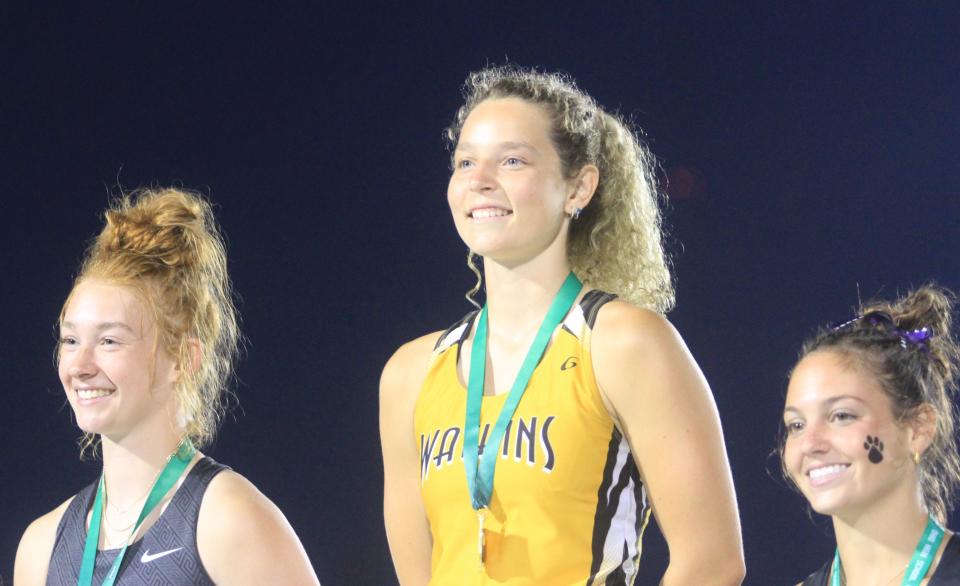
(930, 306)
(159, 224)
(168, 238)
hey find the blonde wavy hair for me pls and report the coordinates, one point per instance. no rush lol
(617, 242)
(165, 245)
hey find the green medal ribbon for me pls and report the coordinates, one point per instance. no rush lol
(920, 562)
(176, 464)
(480, 469)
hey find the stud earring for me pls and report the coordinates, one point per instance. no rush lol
(916, 458)
(576, 213)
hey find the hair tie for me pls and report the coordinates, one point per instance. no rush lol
(918, 338)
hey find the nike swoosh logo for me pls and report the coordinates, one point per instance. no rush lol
(147, 557)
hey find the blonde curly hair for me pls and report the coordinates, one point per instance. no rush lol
(164, 244)
(617, 242)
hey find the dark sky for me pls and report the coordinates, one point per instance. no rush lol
(823, 143)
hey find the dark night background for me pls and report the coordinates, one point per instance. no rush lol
(814, 150)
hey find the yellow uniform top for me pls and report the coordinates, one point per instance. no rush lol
(567, 507)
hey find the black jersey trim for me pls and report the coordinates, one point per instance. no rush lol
(591, 304)
(607, 506)
(446, 333)
(444, 343)
(818, 578)
(618, 577)
(468, 320)
(643, 516)
(948, 570)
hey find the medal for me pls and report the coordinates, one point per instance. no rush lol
(480, 469)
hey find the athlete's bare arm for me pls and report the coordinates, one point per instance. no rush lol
(243, 538)
(407, 529)
(36, 546)
(663, 404)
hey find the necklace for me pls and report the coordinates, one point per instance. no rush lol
(176, 463)
(130, 507)
(114, 528)
(133, 504)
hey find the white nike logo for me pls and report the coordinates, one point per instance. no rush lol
(147, 558)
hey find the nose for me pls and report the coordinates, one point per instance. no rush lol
(814, 439)
(80, 363)
(482, 177)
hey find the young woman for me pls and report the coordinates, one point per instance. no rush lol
(529, 442)
(148, 337)
(870, 441)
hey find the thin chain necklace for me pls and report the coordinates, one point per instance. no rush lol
(116, 529)
(110, 505)
(129, 507)
(139, 500)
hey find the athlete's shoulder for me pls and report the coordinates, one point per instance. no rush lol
(408, 365)
(619, 323)
(36, 546)
(637, 352)
(229, 494)
(236, 517)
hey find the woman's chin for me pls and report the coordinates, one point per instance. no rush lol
(829, 507)
(93, 425)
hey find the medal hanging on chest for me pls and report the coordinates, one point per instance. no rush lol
(919, 564)
(480, 469)
(176, 463)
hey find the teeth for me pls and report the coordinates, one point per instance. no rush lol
(92, 393)
(489, 213)
(825, 471)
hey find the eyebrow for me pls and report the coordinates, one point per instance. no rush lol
(506, 145)
(107, 325)
(828, 402)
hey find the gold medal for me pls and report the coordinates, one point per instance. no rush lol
(481, 542)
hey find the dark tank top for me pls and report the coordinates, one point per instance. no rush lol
(947, 573)
(167, 553)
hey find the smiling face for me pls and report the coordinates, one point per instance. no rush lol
(115, 378)
(843, 448)
(507, 193)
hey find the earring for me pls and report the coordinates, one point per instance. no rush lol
(916, 458)
(576, 213)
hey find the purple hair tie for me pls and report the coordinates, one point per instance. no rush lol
(919, 338)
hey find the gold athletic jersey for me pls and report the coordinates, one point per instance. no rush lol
(568, 506)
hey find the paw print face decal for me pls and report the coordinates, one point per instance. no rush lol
(874, 448)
